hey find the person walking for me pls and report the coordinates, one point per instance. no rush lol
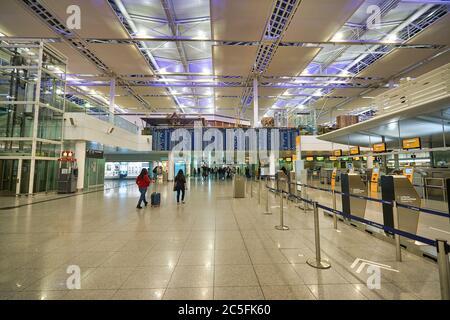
(143, 181)
(180, 186)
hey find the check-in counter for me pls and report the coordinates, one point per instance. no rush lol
(400, 189)
(351, 183)
(238, 186)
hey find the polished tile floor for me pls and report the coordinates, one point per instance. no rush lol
(212, 247)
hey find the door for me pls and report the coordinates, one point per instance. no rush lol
(8, 176)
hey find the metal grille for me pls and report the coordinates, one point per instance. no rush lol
(281, 16)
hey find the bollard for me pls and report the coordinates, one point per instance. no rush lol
(317, 262)
(398, 248)
(335, 218)
(281, 226)
(259, 191)
(267, 211)
(444, 277)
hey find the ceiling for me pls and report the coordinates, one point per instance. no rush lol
(201, 56)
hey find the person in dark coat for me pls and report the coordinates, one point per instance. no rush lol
(180, 186)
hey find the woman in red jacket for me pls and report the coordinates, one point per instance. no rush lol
(143, 181)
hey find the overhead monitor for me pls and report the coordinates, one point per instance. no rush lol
(354, 151)
(379, 147)
(337, 153)
(411, 143)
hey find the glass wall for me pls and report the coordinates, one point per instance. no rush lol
(31, 123)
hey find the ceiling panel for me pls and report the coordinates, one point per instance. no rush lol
(290, 61)
(228, 91)
(437, 33)
(320, 20)
(120, 91)
(16, 20)
(348, 92)
(161, 102)
(227, 102)
(97, 18)
(121, 58)
(150, 90)
(127, 102)
(396, 61)
(433, 64)
(239, 20)
(76, 63)
(233, 60)
(270, 91)
(328, 103)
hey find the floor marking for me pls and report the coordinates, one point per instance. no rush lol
(439, 230)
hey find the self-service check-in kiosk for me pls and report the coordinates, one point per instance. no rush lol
(400, 189)
(351, 183)
(282, 181)
(238, 186)
(292, 182)
(68, 173)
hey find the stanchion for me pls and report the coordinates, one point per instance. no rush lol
(304, 195)
(267, 211)
(251, 188)
(398, 248)
(335, 218)
(444, 278)
(259, 191)
(317, 262)
(281, 226)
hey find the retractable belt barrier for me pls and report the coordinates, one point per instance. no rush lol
(442, 247)
(425, 210)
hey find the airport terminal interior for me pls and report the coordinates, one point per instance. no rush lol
(224, 149)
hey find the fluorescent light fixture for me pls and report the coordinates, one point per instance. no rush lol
(338, 36)
(2, 35)
(391, 37)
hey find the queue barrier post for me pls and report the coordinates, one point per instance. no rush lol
(281, 226)
(251, 188)
(443, 264)
(259, 191)
(317, 261)
(335, 218)
(398, 248)
(267, 211)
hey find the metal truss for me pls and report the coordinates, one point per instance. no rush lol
(79, 44)
(276, 25)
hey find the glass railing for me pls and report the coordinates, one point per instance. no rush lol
(104, 115)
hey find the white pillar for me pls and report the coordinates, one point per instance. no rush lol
(170, 167)
(369, 162)
(255, 103)
(35, 120)
(112, 94)
(19, 176)
(80, 155)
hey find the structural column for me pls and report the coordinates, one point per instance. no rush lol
(369, 162)
(35, 120)
(255, 103)
(80, 155)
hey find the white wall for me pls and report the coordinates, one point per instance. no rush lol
(88, 128)
(311, 143)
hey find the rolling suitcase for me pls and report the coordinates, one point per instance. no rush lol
(155, 199)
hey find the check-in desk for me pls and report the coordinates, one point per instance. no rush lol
(400, 189)
(292, 182)
(282, 181)
(352, 183)
(238, 186)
